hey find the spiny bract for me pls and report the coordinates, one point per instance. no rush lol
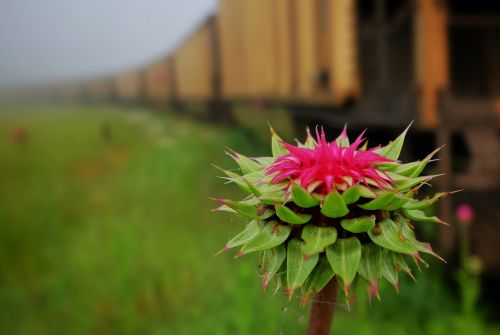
(323, 209)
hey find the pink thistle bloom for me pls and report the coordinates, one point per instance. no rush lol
(330, 165)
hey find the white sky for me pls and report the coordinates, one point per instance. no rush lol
(51, 40)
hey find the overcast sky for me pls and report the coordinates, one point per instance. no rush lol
(47, 40)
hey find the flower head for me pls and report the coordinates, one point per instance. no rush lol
(330, 165)
(323, 211)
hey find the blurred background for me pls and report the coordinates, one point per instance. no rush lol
(112, 112)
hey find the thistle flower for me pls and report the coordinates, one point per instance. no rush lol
(320, 210)
(330, 165)
(465, 213)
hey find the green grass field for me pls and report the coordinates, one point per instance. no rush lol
(114, 235)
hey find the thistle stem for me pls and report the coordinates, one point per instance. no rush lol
(322, 309)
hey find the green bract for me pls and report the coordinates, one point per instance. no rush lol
(350, 227)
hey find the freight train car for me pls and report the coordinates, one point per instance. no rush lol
(196, 72)
(99, 90)
(284, 50)
(158, 82)
(69, 92)
(130, 87)
(369, 61)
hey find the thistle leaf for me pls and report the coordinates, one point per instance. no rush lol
(351, 195)
(344, 256)
(255, 212)
(281, 278)
(408, 232)
(245, 164)
(252, 187)
(272, 261)
(302, 198)
(401, 265)
(271, 198)
(397, 203)
(334, 206)
(366, 192)
(421, 204)
(298, 265)
(264, 161)
(234, 178)
(289, 216)
(317, 238)
(277, 145)
(388, 269)
(250, 231)
(370, 266)
(418, 215)
(381, 202)
(257, 177)
(270, 236)
(360, 224)
(414, 169)
(387, 166)
(387, 234)
(406, 169)
(319, 277)
(408, 183)
(393, 149)
(424, 163)
(225, 208)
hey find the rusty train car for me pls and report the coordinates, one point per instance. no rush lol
(371, 61)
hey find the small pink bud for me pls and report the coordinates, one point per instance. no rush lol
(465, 213)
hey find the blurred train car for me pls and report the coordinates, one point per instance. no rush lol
(158, 82)
(382, 62)
(130, 87)
(196, 71)
(99, 90)
(69, 92)
(283, 50)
